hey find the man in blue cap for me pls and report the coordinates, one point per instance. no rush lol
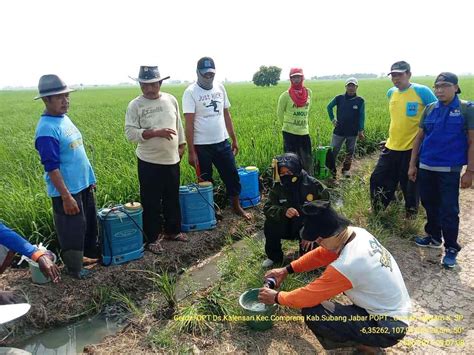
(443, 145)
(69, 176)
(208, 129)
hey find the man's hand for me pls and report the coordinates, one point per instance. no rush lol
(334, 122)
(267, 295)
(235, 147)
(70, 205)
(292, 212)
(192, 158)
(167, 133)
(412, 172)
(306, 245)
(48, 268)
(361, 135)
(279, 274)
(466, 179)
(181, 149)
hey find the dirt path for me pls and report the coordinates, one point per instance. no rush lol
(443, 300)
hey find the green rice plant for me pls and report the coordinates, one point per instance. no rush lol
(99, 115)
(191, 318)
(127, 302)
(217, 303)
(165, 282)
(161, 339)
(101, 296)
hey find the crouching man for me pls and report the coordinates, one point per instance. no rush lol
(291, 189)
(356, 264)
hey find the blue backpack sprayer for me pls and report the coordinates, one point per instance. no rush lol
(121, 233)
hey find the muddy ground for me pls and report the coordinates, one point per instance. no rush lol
(69, 300)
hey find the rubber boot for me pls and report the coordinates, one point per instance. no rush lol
(73, 261)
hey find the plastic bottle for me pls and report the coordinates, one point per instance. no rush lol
(270, 282)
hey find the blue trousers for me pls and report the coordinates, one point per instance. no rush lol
(219, 154)
(439, 192)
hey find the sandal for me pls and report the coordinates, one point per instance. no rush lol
(180, 237)
(155, 248)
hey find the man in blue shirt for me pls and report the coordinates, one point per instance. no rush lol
(69, 176)
(11, 243)
(443, 145)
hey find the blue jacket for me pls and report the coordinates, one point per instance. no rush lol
(445, 143)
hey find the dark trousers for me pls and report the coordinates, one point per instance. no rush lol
(439, 192)
(336, 144)
(340, 328)
(159, 194)
(78, 232)
(300, 145)
(276, 231)
(391, 170)
(221, 155)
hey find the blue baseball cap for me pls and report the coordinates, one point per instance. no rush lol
(206, 65)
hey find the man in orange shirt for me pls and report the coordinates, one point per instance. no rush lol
(357, 265)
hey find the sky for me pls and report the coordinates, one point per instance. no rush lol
(104, 42)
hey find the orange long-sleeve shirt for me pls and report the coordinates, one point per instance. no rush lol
(329, 284)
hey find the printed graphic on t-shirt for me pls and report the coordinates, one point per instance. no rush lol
(213, 102)
(75, 143)
(377, 248)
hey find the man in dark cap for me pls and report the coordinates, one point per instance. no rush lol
(406, 103)
(443, 145)
(291, 189)
(69, 176)
(356, 264)
(208, 128)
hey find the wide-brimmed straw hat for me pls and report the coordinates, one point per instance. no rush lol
(149, 74)
(51, 84)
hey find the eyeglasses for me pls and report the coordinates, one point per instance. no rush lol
(442, 86)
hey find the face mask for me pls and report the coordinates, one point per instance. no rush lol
(205, 83)
(289, 181)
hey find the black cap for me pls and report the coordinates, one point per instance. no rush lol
(206, 65)
(322, 221)
(291, 161)
(449, 78)
(399, 67)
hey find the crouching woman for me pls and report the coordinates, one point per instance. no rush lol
(356, 265)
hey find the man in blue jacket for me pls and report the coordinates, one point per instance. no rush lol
(443, 145)
(11, 243)
(348, 124)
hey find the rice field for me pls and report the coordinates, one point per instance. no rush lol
(99, 114)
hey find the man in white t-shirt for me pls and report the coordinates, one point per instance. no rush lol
(208, 127)
(154, 122)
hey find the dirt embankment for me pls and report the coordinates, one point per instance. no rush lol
(69, 300)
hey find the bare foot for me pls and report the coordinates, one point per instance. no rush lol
(240, 212)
